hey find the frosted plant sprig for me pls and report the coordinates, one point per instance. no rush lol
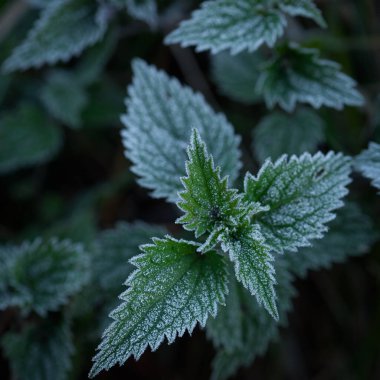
(368, 163)
(179, 283)
(238, 25)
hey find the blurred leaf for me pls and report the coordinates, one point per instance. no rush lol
(27, 138)
(144, 10)
(368, 163)
(64, 97)
(41, 275)
(236, 75)
(64, 30)
(297, 74)
(40, 351)
(280, 133)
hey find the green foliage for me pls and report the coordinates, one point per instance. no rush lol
(172, 289)
(114, 248)
(239, 25)
(144, 10)
(160, 116)
(301, 194)
(351, 234)
(279, 133)
(41, 275)
(298, 75)
(41, 351)
(368, 163)
(27, 137)
(64, 30)
(64, 97)
(236, 75)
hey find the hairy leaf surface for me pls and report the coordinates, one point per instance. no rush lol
(172, 290)
(368, 163)
(41, 275)
(207, 201)
(161, 115)
(238, 25)
(302, 193)
(64, 29)
(280, 133)
(298, 75)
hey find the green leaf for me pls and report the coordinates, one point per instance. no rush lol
(64, 97)
(241, 331)
(27, 138)
(144, 10)
(297, 74)
(236, 75)
(40, 351)
(302, 193)
(114, 248)
(64, 29)
(280, 133)
(161, 114)
(172, 289)
(253, 263)
(238, 25)
(40, 276)
(368, 163)
(304, 8)
(207, 201)
(351, 234)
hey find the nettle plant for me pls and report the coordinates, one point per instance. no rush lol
(246, 234)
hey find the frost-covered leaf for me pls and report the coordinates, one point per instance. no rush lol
(41, 351)
(368, 163)
(115, 247)
(241, 331)
(238, 25)
(64, 29)
(27, 138)
(253, 263)
(207, 201)
(304, 8)
(41, 275)
(280, 133)
(144, 10)
(351, 234)
(302, 193)
(161, 115)
(298, 74)
(64, 97)
(172, 289)
(236, 75)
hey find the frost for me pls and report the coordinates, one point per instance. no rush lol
(41, 351)
(253, 263)
(172, 289)
(236, 75)
(279, 133)
(64, 30)
(368, 163)
(161, 115)
(27, 138)
(207, 201)
(239, 25)
(352, 233)
(302, 194)
(298, 75)
(41, 275)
